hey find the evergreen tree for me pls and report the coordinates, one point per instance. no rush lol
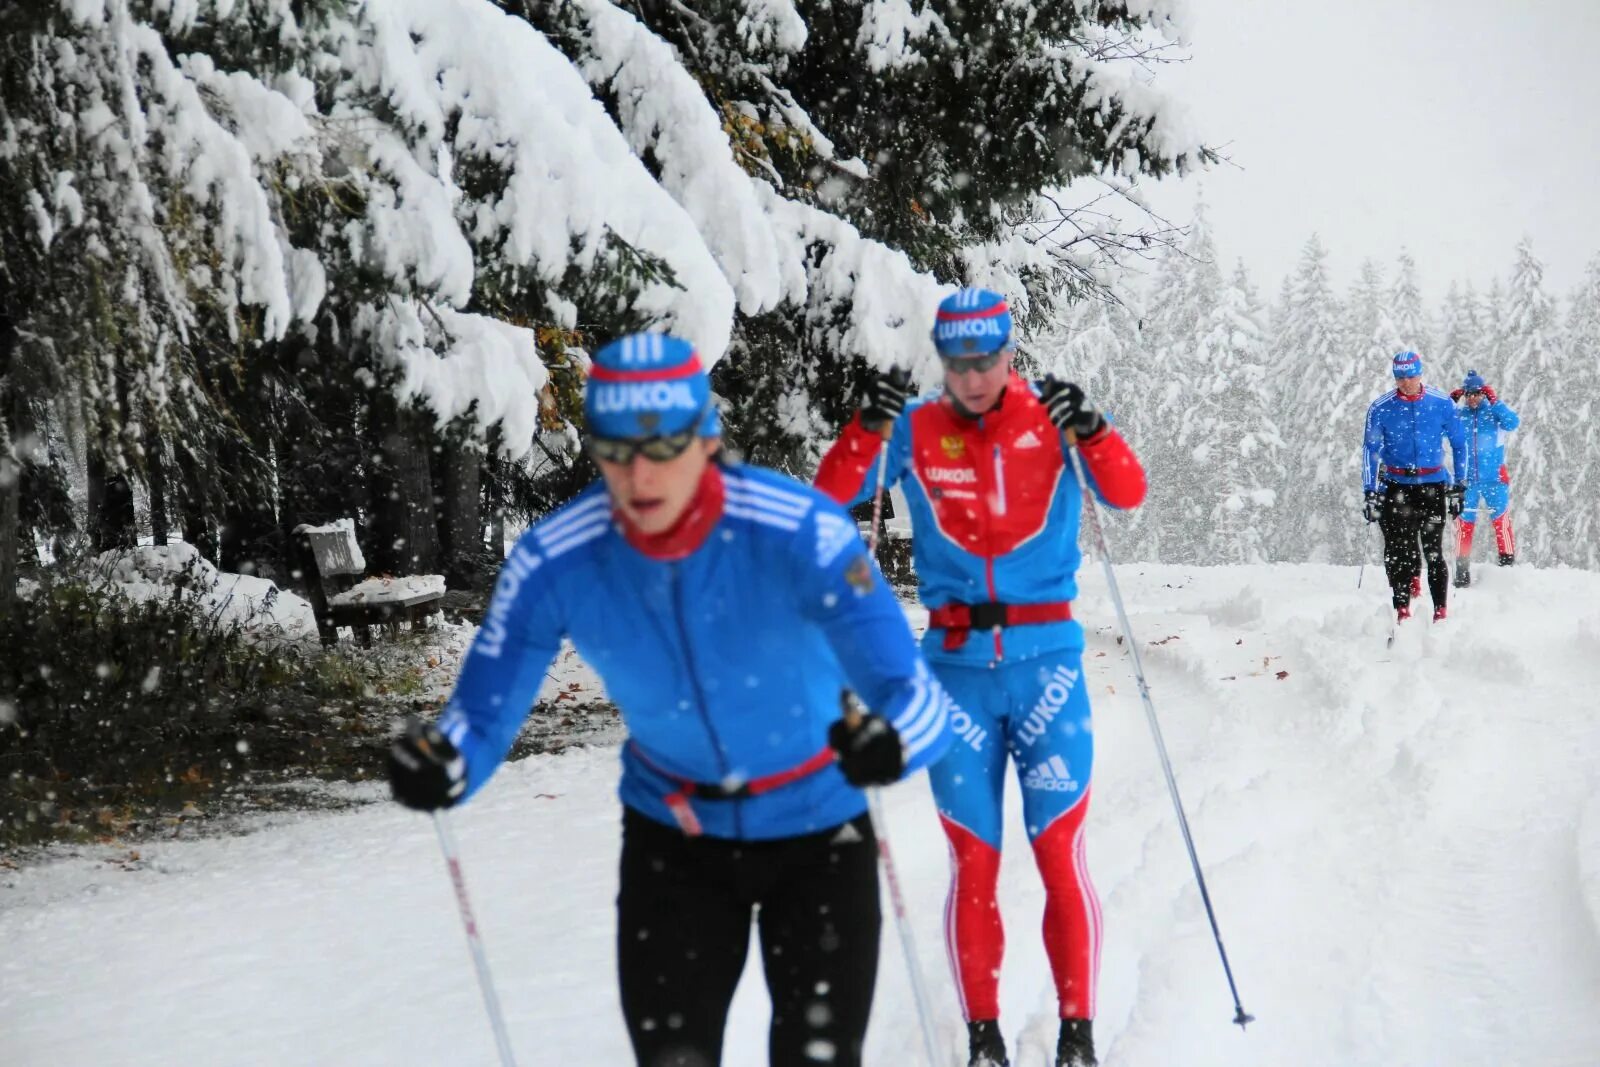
(1406, 311)
(1179, 447)
(1459, 330)
(1581, 382)
(1245, 448)
(1327, 386)
(1542, 462)
(1099, 344)
(1491, 353)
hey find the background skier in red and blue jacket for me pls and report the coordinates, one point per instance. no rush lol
(994, 516)
(725, 607)
(1486, 421)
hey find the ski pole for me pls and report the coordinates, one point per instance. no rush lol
(1241, 1017)
(1362, 573)
(897, 901)
(452, 859)
(880, 824)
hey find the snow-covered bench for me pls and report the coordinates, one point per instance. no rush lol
(331, 564)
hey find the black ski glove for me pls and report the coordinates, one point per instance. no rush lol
(1455, 500)
(1374, 505)
(869, 750)
(1069, 410)
(425, 770)
(886, 398)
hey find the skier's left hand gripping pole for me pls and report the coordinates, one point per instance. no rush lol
(880, 826)
(452, 859)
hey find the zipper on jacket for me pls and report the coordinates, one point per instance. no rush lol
(998, 471)
(699, 694)
(999, 481)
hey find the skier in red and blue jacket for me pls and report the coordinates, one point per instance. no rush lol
(1486, 422)
(994, 516)
(725, 607)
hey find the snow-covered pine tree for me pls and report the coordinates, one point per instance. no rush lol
(1581, 381)
(1412, 330)
(1247, 449)
(1179, 446)
(1328, 389)
(1098, 343)
(1456, 349)
(1491, 342)
(1542, 461)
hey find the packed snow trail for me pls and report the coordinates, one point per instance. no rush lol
(1404, 857)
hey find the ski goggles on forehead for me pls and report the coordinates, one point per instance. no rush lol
(973, 364)
(657, 449)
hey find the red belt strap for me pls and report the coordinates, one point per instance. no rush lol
(959, 620)
(1411, 472)
(678, 801)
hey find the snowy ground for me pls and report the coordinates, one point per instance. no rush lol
(1404, 851)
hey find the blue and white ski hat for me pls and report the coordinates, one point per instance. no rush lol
(1407, 365)
(1472, 383)
(649, 385)
(972, 322)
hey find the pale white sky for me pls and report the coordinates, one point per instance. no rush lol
(1452, 127)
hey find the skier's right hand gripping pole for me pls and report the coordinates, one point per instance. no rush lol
(1241, 1018)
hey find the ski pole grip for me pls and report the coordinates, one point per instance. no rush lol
(850, 709)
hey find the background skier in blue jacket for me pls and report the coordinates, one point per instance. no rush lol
(1486, 420)
(1407, 490)
(725, 608)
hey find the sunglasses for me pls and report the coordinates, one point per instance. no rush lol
(656, 449)
(966, 364)
(1473, 392)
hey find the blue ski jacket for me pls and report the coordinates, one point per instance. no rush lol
(1486, 428)
(727, 664)
(1405, 437)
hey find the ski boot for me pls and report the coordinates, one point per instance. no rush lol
(988, 1048)
(1075, 1047)
(1438, 613)
(1507, 559)
(1463, 573)
(1402, 613)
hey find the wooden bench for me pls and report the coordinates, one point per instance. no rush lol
(330, 565)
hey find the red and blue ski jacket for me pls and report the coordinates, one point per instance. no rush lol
(994, 510)
(725, 646)
(1404, 440)
(1486, 428)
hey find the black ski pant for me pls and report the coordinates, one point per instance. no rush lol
(1413, 531)
(683, 927)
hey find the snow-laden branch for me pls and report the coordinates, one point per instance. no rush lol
(461, 364)
(662, 110)
(497, 92)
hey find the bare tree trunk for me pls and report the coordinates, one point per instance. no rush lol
(156, 466)
(111, 515)
(461, 523)
(10, 506)
(198, 527)
(12, 411)
(405, 535)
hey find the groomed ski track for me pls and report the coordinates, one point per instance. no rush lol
(1403, 847)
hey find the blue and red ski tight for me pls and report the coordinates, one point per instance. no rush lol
(1037, 712)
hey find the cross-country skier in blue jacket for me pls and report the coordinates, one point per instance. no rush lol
(725, 607)
(1486, 421)
(1408, 492)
